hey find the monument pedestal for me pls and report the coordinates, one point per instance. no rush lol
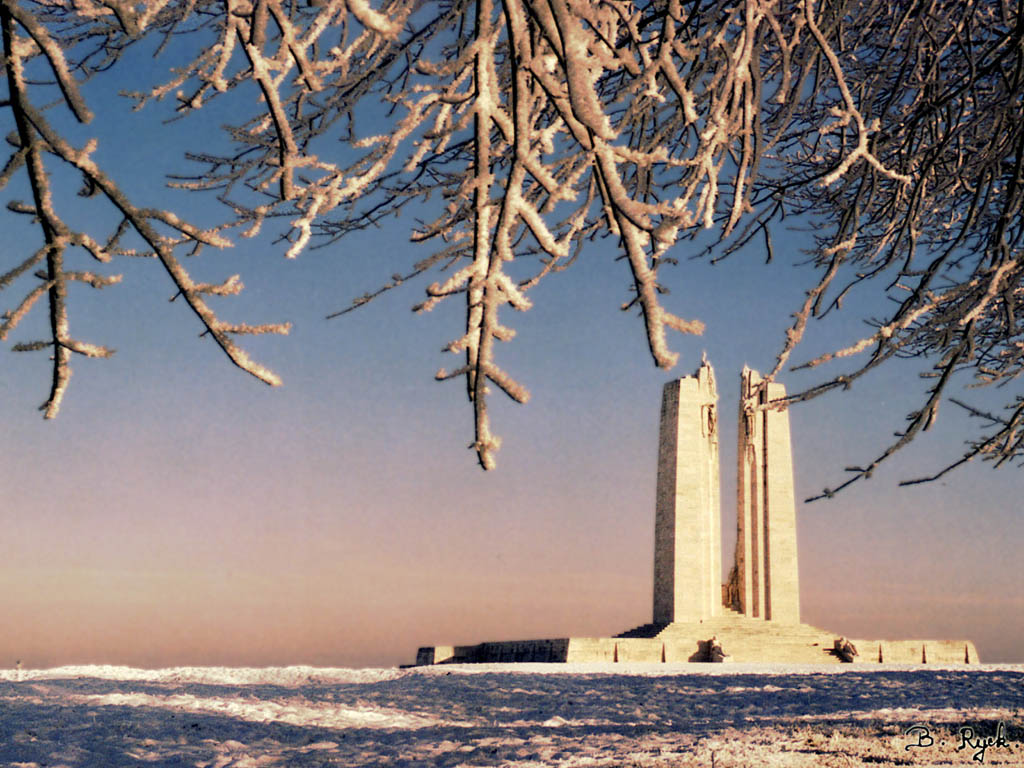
(744, 640)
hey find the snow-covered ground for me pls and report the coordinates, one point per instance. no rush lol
(512, 715)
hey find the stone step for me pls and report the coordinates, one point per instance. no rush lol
(644, 630)
(745, 626)
(741, 649)
(743, 638)
(734, 625)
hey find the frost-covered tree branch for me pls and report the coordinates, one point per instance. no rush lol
(35, 139)
(519, 131)
(937, 221)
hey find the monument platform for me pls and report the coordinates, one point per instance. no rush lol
(742, 638)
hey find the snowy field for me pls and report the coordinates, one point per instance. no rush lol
(505, 715)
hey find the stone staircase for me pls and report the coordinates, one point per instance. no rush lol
(645, 630)
(745, 639)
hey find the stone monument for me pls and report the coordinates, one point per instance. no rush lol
(764, 582)
(755, 615)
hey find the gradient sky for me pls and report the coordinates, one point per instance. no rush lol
(179, 512)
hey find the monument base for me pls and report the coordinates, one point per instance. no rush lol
(742, 639)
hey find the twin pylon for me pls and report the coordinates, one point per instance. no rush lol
(764, 581)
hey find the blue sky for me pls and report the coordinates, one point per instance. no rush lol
(179, 512)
